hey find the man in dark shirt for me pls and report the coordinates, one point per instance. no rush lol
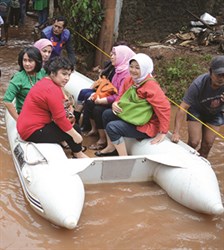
(60, 38)
(205, 101)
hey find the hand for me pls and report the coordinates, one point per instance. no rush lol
(159, 138)
(175, 137)
(115, 108)
(77, 138)
(222, 97)
(91, 96)
(98, 100)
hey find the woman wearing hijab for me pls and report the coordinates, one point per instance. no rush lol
(45, 47)
(120, 56)
(140, 68)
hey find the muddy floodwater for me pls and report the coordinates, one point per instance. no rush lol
(115, 216)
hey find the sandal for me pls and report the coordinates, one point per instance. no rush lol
(97, 146)
(84, 148)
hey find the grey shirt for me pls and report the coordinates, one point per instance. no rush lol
(202, 97)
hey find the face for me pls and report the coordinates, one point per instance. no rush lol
(28, 64)
(217, 80)
(61, 77)
(134, 70)
(58, 27)
(46, 53)
(113, 58)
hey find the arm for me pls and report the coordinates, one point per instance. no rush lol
(42, 35)
(12, 110)
(70, 50)
(178, 120)
(75, 135)
(222, 97)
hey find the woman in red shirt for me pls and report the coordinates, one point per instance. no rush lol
(43, 116)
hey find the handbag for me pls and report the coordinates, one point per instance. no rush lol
(104, 89)
(135, 110)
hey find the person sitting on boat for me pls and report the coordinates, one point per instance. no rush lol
(30, 63)
(140, 68)
(108, 71)
(94, 109)
(84, 95)
(204, 100)
(45, 47)
(43, 116)
(60, 38)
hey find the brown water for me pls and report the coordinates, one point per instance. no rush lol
(115, 216)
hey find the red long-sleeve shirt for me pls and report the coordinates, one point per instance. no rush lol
(152, 92)
(44, 103)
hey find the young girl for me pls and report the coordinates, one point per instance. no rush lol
(43, 116)
(30, 63)
(140, 68)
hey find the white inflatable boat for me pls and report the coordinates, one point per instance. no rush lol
(53, 184)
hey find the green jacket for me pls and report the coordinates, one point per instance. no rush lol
(19, 86)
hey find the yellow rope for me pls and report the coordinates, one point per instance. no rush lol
(197, 118)
(93, 44)
(167, 97)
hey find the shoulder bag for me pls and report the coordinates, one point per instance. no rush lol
(135, 110)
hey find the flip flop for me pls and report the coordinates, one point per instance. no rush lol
(97, 146)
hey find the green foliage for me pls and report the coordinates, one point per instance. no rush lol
(175, 75)
(84, 17)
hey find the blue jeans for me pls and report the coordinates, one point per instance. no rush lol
(117, 129)
(84, 94)
(42, 16)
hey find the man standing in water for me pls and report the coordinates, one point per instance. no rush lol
(60, 37)
(205, 101)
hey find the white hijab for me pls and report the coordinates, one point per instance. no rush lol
(145, 63)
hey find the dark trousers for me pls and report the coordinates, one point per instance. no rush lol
(95, 112)
(14, 16)
(51, 133)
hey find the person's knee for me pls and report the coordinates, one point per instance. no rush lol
(193, 142)
(207, 145)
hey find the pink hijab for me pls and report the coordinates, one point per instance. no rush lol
(123, 55)
(42, 43)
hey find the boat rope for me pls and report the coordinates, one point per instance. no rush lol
(92, 44)
(216, 132)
